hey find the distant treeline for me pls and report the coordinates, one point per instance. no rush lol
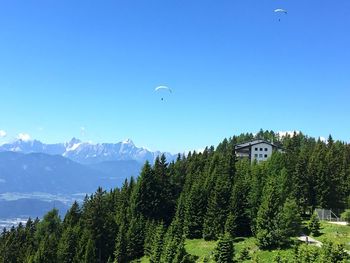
(201, 195)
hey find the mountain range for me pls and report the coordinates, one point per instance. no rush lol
(86, 152)
(31, 170)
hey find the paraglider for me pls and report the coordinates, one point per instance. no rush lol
(280, 11)
(163, 89)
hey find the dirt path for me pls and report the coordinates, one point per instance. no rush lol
(310, 240)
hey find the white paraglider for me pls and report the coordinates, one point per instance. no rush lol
(280, 11)
(162, 90)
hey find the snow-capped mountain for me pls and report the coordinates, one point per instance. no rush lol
(85, 152)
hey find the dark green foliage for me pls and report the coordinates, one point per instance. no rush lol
(333, 253)
(267, 228)
(135, 238)
(301, 181)
(231, 225)
(306, 254)
(150, 231)
(328, 253)
(73, 215)
(67, 245)
(314, 225)
(239, 210)
(90, 252)
(157, 244)
(195, 211)
(278, 218)
(204, 194)
(289, 220)
(279, 259)
(120, 252)
(244, 255)
(146, 196)
(224, 251)
(219, 201)
(47, 236)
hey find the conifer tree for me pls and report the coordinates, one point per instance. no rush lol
(72, 216)
(146, 197)
(135, 238)
(301, 181)
(288, 223)
(267, 227)
(195, 211)
(67, 246)
(230, 225)
(314, 225)
(218, 204)
(90, 252)
(157, 244)
(239, 209)
(224, 251)
(120, 252)
(47, 236)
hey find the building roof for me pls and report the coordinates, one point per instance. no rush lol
(253, 142)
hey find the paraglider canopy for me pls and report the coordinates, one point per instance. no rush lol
(280, 10)
(159, 88)
(163, 90)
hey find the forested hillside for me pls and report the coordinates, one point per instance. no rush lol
(209, 195)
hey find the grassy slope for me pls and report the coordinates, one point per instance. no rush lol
(201, 248)
(335, 233)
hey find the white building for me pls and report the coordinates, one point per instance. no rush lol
(259, 150)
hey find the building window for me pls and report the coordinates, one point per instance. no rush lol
(256, 155)
(260, 155)
(261, 149)
(256, 149)
(265, 155)
(265, 149)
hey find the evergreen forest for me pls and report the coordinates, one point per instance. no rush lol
(210, 195)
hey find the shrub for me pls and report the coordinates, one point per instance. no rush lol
(346, 216)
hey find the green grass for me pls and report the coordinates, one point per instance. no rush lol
(335, 233)
(201, 248)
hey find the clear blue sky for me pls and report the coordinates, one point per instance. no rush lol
(232, 65)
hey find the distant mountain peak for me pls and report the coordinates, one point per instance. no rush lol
(87, 152)
(74, 141)
(128, 141)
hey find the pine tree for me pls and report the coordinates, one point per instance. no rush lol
(120, 252)
(90, 254)
(47, 236)
(135, 238)
(239, 209)
(267, 226)
(157, 244)
(181, 256)
(219, 202)
(289, 222)
(73, 215)
(301, 181)
(224, 251)
(230, 225)
(314, 225)
(67, 246)
(167, 203)
(146, 197)
(195, 211)
(150, 231)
